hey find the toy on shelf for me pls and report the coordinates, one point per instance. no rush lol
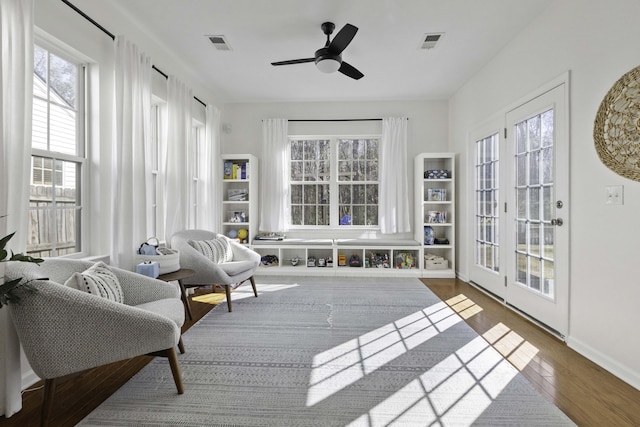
(242, 235)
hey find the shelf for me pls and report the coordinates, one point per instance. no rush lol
(425, 207)
(248, 188)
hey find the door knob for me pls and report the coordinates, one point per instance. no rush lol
(557, 221)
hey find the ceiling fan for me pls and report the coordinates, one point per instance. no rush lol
(328, 59)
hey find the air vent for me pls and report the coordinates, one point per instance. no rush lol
(219, 42)
(430, 40)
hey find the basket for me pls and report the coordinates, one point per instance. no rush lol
(169, 261)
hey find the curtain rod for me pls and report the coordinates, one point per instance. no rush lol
(113, 37)
(335, 120)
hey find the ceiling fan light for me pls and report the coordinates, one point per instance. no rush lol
(328, 65)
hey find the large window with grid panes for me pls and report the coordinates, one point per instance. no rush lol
(334, 181)
(57, 155)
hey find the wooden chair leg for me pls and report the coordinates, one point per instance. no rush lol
(181, 345)
(185, 299)
(227, 290)
(175, 369)
(253, 285)
(47, 401)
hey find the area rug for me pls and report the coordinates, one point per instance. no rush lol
(332, 352)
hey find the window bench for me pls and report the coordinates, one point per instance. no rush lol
(377, 257)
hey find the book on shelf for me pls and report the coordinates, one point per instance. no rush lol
(236, 170)
(228, 170)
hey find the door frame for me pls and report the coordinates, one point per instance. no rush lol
(485, 125)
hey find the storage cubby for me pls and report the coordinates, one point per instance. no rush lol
(405, 259)
(377, 258)
(317, 254)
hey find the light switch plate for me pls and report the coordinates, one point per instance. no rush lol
(613, 195)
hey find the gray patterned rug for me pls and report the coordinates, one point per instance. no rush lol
(332, 352)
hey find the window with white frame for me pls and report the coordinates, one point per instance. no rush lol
(197, 138)
(156, 130)
(57, 155)
(334, 182)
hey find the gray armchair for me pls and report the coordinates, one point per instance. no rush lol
(65, 331)
(227, 274)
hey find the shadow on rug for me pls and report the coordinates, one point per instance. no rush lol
(332, 352)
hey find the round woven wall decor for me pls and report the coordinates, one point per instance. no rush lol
(616, 129)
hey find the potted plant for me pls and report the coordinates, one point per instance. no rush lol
(6, 288)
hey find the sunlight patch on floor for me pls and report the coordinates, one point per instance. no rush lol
(512, 346)
(241, 292)
(464, 306)
(454, 392)
(345, 364)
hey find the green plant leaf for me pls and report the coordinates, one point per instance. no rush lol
(25, 258)
(5, 240)
(6, 295)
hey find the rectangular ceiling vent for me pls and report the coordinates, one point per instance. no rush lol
(219, 42)
(430, 40)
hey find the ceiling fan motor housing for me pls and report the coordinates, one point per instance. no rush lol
(326, 61)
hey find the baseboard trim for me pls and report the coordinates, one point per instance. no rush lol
(624, 373)
(29, 378)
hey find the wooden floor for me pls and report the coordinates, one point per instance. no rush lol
(588, 394)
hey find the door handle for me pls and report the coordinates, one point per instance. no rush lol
(557, 221)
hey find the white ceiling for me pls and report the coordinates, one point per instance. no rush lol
(385, 49)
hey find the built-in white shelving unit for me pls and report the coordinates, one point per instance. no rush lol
(435, 213)
(240, 196)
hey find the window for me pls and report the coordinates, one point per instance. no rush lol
(156, 129)
(57, 156)
(487, 197)
(334, 182)
(197, 136)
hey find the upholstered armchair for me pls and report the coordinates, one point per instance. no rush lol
(65, 330)
(229, 272)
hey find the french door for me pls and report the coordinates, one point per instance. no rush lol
(521, 210)
(488, 201)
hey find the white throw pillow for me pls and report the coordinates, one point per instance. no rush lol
(217, 250)
(98, 280)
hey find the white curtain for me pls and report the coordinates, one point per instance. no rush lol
(176, 149)
(16, 93)
(274, 190)
(209, 188)
(394, 197)
(131, 153)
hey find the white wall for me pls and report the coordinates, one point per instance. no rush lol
(597, 42)
(427, 128)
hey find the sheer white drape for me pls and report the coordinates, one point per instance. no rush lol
(176, 149)
(209, 188)
(16, 94)
(131, 153)
(394, 197)
(274, 190)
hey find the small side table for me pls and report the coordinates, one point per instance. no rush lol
(183, 273)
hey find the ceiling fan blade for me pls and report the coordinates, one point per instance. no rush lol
(350, 70)
(294, 61)
(342, 39)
